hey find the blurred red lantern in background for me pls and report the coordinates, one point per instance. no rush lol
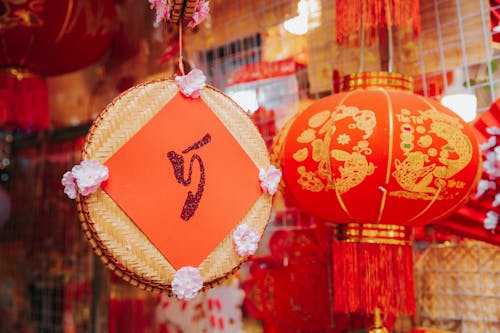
(298, 261)
(41, 37)
(378, 159)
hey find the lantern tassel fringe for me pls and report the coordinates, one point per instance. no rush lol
(371, 275)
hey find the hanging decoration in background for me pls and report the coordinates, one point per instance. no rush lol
(24, 101)
(156, 172)
(457, 286)
(354, 19)
(495, 21)
(289, 288)
(479, 218)
(46, 38)
(414, 159)
(264, 119)
(5, 206)
(216, 311)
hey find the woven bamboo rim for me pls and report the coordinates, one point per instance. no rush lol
(115, 238)
(182, 9)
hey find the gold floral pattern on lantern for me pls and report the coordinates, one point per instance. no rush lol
(319, 135)
(420, 176)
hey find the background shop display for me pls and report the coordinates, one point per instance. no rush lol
(51, 282)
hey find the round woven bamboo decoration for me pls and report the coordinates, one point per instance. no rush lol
(116, 239)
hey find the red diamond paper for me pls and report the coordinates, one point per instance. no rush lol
(143, 181)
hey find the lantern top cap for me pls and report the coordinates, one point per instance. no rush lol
(19, 72)
(376, 80)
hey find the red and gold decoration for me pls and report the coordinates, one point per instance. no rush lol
(41, 37)
(373, 268)
(417, 159)
(378, 159)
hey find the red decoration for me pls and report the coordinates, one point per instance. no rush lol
(24, 101)
(378, 160)
(41, 37)
(468, 221)
(57, 36)
(375, 15)
(373, 268)
(495, 19)
(298, 262)
(264, 70)
(264, 119)
(431, 84)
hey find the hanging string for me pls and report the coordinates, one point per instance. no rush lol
(389, 36)
(362, 43)
(181, 63)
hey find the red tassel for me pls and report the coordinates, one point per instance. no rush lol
(372, 15)
(369, 275)
(24, 101)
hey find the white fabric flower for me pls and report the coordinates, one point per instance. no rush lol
(493, 130)
(89, 175)
(84, 178)
(187, 283)
(246, 240)
(270, 179)
(496, 202)
(490, 165)
(162, 9)
(483, 186)
(191, 84)
(491, 220)
(200, 14)
(492, 142)
(69, 183)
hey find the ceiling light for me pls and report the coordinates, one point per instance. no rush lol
(298, 25)
(460, 99)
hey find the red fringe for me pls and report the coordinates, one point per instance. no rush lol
(352, 16)
(367, 276)
(24, 102)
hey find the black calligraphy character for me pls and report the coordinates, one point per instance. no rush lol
(193, 200)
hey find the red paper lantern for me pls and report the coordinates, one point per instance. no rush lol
(377, 159)
(57, 36)
(383, 156)
(40, 37)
